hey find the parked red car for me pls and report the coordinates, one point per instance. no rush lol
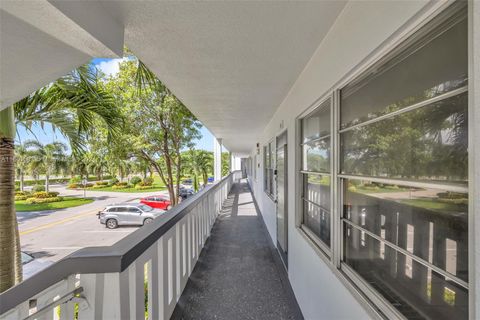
(159, 202)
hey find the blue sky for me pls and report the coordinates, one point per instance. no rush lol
(109, 67)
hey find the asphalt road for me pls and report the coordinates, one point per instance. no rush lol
(52, 235)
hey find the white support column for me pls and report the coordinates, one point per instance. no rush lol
(217, 159)
(235, 163)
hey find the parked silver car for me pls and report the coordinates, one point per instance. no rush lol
(128, 214)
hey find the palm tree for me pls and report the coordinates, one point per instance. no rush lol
(96, 164)
(22, 159)
(72, 105)
(199, 163)
(205, 163)
(50, 157)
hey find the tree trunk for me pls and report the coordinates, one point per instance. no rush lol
(22, 178)
(47, 176)
(205, 179)
(10, 262)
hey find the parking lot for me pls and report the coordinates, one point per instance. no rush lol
(52, 235)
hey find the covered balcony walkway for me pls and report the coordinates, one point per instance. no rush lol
(238, 275)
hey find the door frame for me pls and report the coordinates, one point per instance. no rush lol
(283, 253)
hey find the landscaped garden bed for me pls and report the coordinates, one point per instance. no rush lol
(38, 201)
(135, 184)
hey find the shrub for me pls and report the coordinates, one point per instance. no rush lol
(454, 201)
(43, 195)
(452, 195)
(21, 197)
(392, 187)
(147, 181)
(75, 180)
(38, 188)
(352, 188)
(17, 188)
(140, 187)
(43, 200)
(73, 186)
(113, 181)
(135, 180)
(88, 185)
(101, 183)
(121, 186)
(22, 193)
(99, 186)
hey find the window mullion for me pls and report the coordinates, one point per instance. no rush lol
(336, 198)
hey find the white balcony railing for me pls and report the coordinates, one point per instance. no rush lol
(142, 274)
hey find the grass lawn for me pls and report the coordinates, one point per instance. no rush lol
(68, 202)
(380, 190)
(435, 205)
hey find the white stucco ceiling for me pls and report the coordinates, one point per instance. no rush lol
(40, 43)
(231, 63)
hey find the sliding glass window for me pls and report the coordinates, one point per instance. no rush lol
(316, 146)
(404, 173)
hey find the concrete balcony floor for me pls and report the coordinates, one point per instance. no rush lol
(239, 274)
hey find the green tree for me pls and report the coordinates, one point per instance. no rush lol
(22, 160)
(51, 158)
(225, 163)
(158, 125)
(71, 105)
(198, 163)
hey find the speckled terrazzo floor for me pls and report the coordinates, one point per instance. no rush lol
(239, 275)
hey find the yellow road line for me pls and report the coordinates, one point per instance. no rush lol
(52, 224)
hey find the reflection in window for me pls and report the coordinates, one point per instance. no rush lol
(397, 213)
(316, 146)
(433, 74)
(451, 256)
(429, 143)
(317, 124)
(316, 211)
(316, 155)
(404, 135)
(409, 260)
(418, 297)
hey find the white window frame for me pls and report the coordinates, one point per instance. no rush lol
(326, 249)
(375, 303)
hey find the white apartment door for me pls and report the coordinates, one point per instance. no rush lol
(282, 192)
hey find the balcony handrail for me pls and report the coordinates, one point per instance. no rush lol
(106, 259)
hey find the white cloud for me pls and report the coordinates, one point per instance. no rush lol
(110, 67)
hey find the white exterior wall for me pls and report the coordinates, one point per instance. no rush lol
(360, 30)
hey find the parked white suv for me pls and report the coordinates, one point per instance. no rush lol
(128, 214)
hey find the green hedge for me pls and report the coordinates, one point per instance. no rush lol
(120, 186)
(139, 187)
(44, 195)
(43, 200)
(55, 180)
